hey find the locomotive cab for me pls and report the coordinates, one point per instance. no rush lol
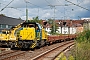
(30, 36)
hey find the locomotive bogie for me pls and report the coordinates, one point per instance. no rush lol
(24, 43)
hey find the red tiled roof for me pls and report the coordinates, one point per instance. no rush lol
(69, 23)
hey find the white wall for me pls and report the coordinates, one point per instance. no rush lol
(48, 30)
(72, 30)
(59, 30)
(65, 30)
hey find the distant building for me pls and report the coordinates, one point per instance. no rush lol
(85, 18)
(86, 24)
(8, 22)
(48, 28)
(67, 26)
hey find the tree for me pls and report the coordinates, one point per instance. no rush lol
(52, 28)
(51, 22)
(35, 19)
(19, 18)
(2, 14)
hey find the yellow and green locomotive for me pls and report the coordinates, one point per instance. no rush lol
(8, 38)
(4, 37)
(30, 35)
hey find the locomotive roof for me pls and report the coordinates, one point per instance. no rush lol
(25, 23)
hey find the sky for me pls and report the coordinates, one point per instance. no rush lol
(46, 9)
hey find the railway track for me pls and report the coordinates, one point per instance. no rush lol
(2, 49)
(53, 53)
(10, 54)
(49, 54)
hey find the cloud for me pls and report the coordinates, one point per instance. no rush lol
(42, 9)
(12, 13)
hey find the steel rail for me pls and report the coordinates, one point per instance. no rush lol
(54, 52)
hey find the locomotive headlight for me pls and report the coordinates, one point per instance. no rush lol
(12, 38)
(20, 36)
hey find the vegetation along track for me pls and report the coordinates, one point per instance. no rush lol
(54, 52)
(10, 54)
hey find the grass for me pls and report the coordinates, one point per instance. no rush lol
(81, 51)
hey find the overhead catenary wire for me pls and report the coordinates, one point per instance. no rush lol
(48, 2)
(54, 14)
(14, 8)
(9, 7)
(66, 4)
(34, 4)
(58, 1)
(79, 2)
(6, 5)
(77, 5)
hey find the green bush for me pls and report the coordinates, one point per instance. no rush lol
(71, 58)
(82, 48)
(84, 37)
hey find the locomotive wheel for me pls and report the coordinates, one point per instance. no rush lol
(45, 43)
(48, 43)
(0, 44)
(25, 46)
(42, 43)
(38, 45)
(12, 46)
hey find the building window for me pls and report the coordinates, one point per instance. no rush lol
(6, 26)
(9, 26)
(0, 25)
(3, 26)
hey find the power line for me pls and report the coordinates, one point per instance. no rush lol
(77, 5)
(79, 2)
(34, 4)
(53, 6)
(14, 8)
(47, 2)
(26, 10)
(11, 7)
(6, 6)
(60, 5)
(58, 1)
